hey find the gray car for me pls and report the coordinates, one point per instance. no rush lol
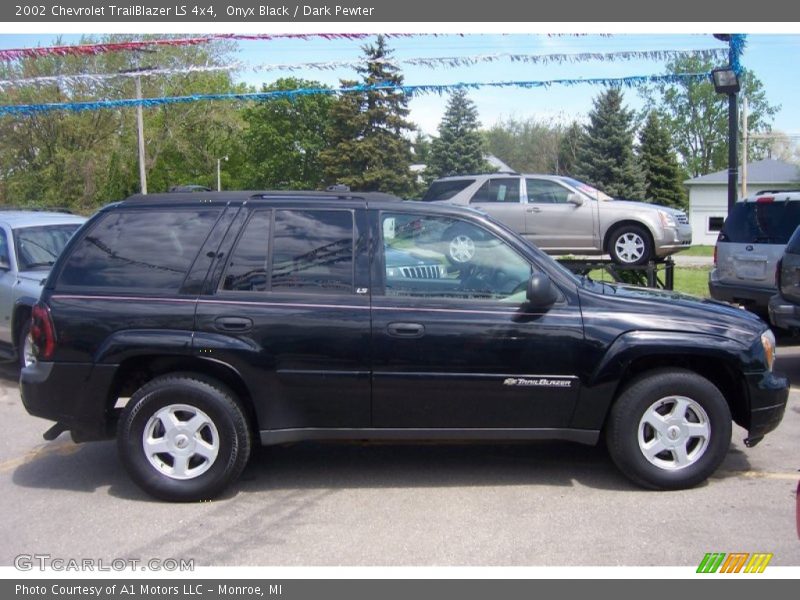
(30, 241)
(749, 247)
(562, 215)
(784, 307)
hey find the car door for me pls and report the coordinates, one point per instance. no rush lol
(559, 219)
(501, 198)
(291, 315)
(454, 346)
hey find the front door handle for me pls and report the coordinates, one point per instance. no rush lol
(233, 323)
(534, 209)
(406, 330)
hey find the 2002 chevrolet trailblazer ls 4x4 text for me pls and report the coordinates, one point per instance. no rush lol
(225, 318)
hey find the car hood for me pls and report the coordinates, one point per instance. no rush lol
(652, 309)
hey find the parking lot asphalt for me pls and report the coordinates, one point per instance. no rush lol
(356, 504)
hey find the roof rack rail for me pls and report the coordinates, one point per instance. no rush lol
(789, 191)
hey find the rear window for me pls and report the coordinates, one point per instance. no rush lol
(444, 190)
(794, 243)
(39, 247)
(761, 223)
(142, 250)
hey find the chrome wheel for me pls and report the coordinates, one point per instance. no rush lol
(181, 441)
(462, 249)
(674, 433)
(630, 247)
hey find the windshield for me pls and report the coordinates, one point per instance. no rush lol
(38, 247)
(585, 188)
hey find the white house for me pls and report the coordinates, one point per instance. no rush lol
(708, 195)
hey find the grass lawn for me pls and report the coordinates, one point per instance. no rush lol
(688, 280)
(698, 251)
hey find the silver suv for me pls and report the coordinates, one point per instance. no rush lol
(564, 216)
(750, 245)
(30, 242)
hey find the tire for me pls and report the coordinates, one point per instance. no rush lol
(631, 245)
(200, 427)
(461, 247)
(25, 356)
(669, 429)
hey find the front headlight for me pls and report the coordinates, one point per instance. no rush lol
(667, 220)
(768, 343)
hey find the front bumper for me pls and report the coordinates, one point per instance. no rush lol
(73, 395)
(768, 395)
(673, 240)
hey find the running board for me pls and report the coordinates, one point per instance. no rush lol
(499, 434)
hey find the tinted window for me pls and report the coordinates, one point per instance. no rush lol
(761, 222)
(247, 269)
(313, 251)
(793, 247)
(444, 190)
(416, 258)
(498, 190)
(542, 190)
(38, 247)
(139, 250)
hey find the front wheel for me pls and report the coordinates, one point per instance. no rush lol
(461, 247)
(669, 429)
(631, 245)
(183, 438)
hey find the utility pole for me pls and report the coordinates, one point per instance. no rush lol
(140, 131)
(745, 137)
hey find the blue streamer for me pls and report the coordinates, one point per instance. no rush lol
(736, 44)
(628, 82)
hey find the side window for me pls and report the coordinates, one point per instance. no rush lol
(247, 268)
(444, 190)
(498, 190)
(5, 261)
(312, 251)
(542, 190)
(136, 249)
(429, 256)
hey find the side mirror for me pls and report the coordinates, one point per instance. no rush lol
(541, 292)
(575, 199)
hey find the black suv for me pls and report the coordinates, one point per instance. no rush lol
(278, 316)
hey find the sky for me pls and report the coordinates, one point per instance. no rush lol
(770, 57)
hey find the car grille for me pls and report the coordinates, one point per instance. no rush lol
(422, 272)
(682, 219)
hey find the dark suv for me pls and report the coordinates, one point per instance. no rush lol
(189, 325)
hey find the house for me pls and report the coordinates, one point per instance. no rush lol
(708, 194)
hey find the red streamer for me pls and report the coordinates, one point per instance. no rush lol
(94, 49)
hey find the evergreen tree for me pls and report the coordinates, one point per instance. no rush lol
(606, 158)
(659, 163)
(460, 148)
(366, 131)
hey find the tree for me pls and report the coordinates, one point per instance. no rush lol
(460, 148)
(662, 175)
(369, 150)
(606, 158)
(571, 141)
(528, 146)
(697, 117)
(285, 137)
(85, 159)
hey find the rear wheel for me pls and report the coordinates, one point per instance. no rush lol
(25, 354)
(669, 429)
(183, 438)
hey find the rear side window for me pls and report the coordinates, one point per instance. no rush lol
(498, 190)
(761, 223)
(39, 247)
(444, 190)
(142, 250)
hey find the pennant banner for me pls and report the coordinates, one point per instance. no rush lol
(429, 62)
(411, 90)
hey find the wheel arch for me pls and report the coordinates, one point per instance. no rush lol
(624, 223)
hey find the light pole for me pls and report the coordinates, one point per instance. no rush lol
(726, 82)
(219, 180)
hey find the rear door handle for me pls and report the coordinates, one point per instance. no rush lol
(534, 209)
(406, 330)
(233, 323)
